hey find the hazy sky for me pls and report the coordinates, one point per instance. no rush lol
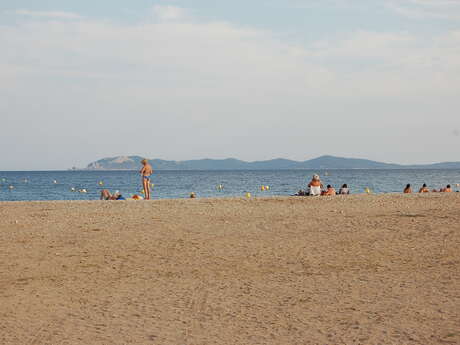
(83, 80)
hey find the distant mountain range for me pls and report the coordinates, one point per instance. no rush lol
(323, 162)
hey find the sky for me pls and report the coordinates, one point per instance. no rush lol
(254, 80)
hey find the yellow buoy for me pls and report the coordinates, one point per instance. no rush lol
(248, 195)
(267, 187)
(262, 188)
(368, 191)
(101, 183)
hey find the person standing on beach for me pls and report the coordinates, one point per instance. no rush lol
(146, 172)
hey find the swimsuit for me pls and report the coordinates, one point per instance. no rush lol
(147, 177)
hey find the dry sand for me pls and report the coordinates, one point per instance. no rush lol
(341, 270)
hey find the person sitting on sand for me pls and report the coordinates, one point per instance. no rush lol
(106, 195)
(448, 189)
(344, 190)
(315, 185)
(146, 172)
(330, 191)
(408, 189)
(424, 189)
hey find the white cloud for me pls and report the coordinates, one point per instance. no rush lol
(48, 14)
(426, 9)
(167, 12)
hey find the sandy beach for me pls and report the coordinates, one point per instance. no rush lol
(342, 270)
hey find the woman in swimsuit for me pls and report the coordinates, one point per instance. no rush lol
(408, 189)
(424, 189)
(146, 172)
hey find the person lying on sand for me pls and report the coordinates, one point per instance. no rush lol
(146, 172)
(344, 190)
(301, 193)
(106, 195)
(408, 189)
(424, 189)
(315, 185)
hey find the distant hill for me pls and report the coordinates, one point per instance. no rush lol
(323, 162)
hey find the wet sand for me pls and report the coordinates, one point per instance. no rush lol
(341, 270)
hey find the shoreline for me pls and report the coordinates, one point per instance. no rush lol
(229, 198)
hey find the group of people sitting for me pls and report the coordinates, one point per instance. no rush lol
(424, 189)
(315, 188)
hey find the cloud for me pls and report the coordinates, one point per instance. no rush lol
(426, 9)
(167, 12)
(47, 14)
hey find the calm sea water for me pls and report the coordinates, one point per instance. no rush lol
(57, 185)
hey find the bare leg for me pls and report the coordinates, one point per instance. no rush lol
(105, 195)
(145, 184)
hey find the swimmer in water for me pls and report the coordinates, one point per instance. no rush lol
(146, 172)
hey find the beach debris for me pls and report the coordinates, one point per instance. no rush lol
(248, 195)
(192, 195)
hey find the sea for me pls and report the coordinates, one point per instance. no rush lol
(87, 185)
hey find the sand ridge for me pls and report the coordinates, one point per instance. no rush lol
(332, 270)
